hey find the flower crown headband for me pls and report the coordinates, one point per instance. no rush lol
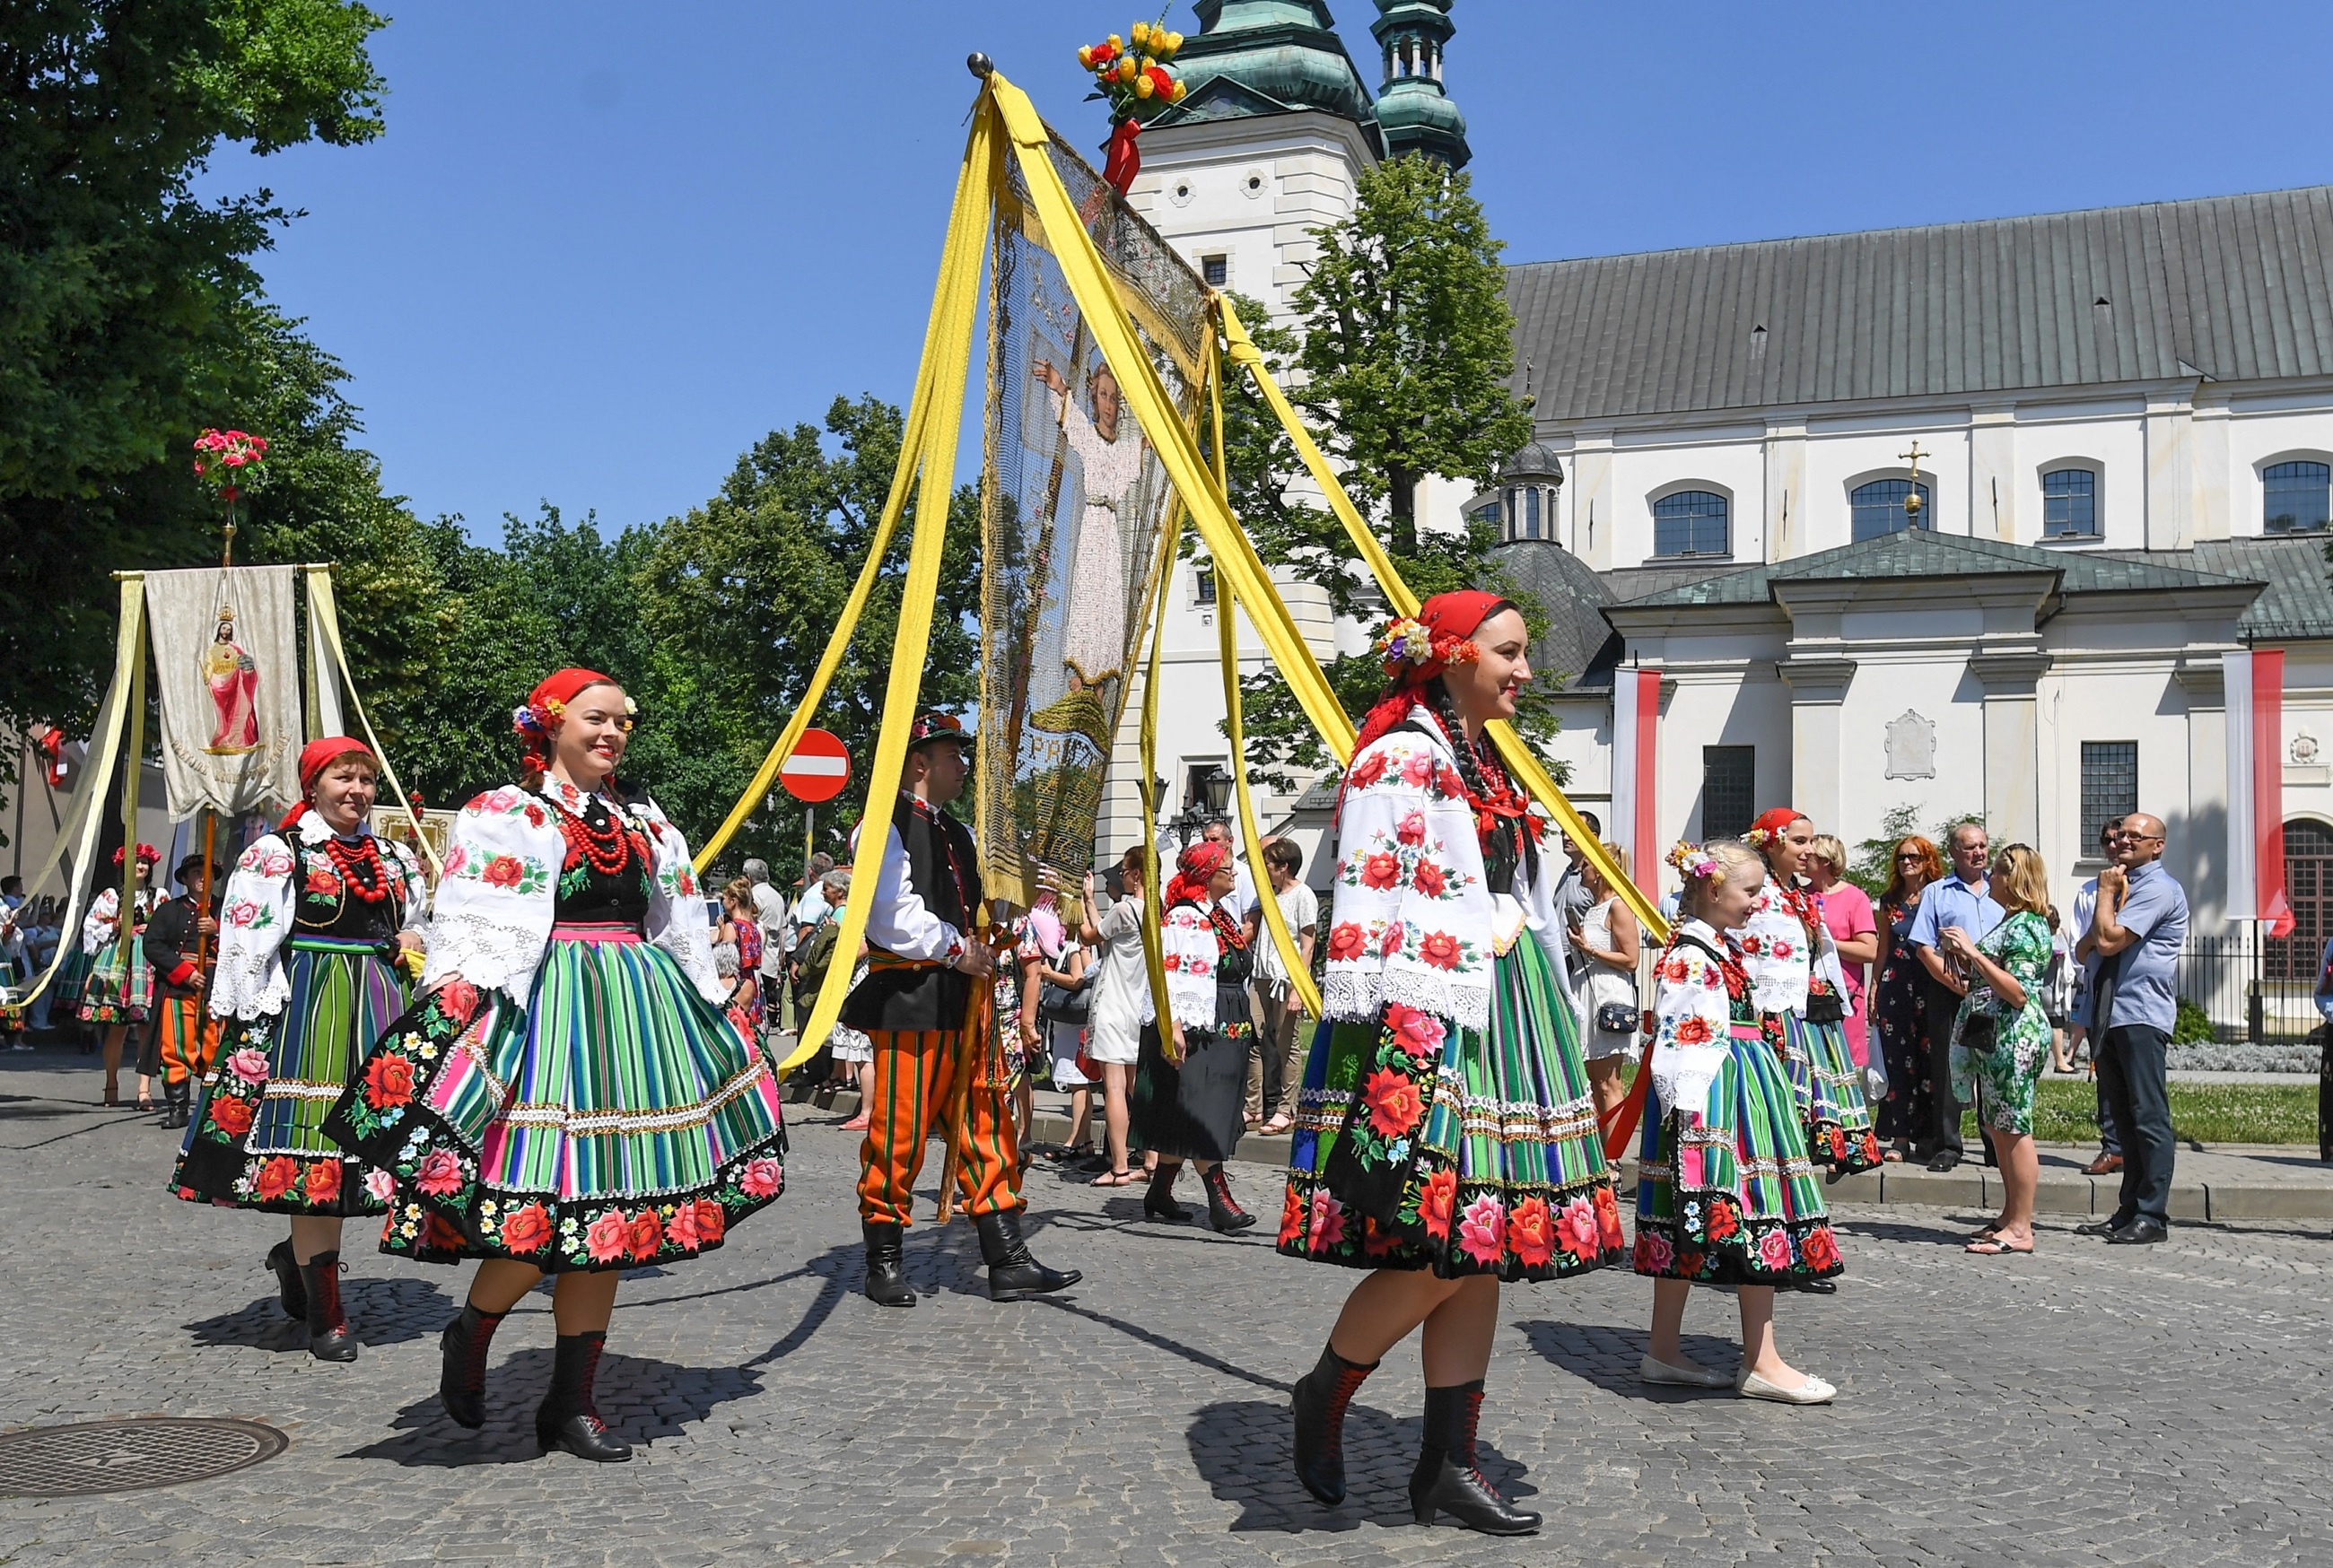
(1408, 641)
(1692, 862)
(538, 723)
(146, 855)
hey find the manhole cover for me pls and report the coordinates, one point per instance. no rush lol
(129, 1456)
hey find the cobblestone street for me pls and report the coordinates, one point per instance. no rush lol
(2084, 1405)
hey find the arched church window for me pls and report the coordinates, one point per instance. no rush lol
(2297, 495)
(1878, 507)
(1690, 523)
(2309, 887)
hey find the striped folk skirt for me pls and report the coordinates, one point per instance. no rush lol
(258, 1140)
(1829, 1088)
(117, 992)
(1420, 1144)
(1733, 1199)
(617, 1119)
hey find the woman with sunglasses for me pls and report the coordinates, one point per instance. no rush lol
(1899, 1006)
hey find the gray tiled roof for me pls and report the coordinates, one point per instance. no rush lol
(1918, 552)
(2296, 602)
(2230, 287)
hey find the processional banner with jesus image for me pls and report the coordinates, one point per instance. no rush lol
(1075, 506)
(226, 655)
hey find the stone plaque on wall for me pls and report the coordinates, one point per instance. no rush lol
(1911, 747)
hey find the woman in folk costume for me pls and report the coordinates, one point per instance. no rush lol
(1725, 1194)
(1801, 987)
(1193, 1073)
(117, 993)
(568, 1097)
(1446, 1133)
(321, 919)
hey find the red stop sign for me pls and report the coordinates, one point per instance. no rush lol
(819, 769)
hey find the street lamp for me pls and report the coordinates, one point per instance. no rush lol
(1210, 792)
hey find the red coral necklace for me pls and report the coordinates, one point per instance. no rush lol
(373, 885)
(607, 850)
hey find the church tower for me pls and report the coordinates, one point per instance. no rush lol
(1414, 113)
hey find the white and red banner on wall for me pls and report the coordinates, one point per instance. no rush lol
(1635, 797)
(2255, 686)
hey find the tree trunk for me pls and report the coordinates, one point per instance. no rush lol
(1401, 497)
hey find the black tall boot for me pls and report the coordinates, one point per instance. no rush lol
(176, 1099)
(1447, 1480)
(1012, 1274)
(1321, 1396)
(886, 1264)
(1158, 1203)
(1223, 1212)
(567, 1419)
(288, 1288)
(328, 1338)
(462, 1365)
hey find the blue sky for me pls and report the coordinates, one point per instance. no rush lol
(604, 248)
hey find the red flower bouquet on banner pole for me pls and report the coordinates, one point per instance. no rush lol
(1135, 81)
(232, 462)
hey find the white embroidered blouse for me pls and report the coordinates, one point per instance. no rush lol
(103, 922)
(1691, 1017)
(1780, 956)
(1189, 950)
(256, 913)
(495, 902)
(1414, 921)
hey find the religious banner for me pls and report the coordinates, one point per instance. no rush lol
(227, 657)
(1075, 504)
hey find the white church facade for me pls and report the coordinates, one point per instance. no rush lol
(2116, 428)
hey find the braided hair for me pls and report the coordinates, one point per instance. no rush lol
(1506, 846)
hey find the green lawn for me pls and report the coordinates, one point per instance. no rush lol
(2065, 1111)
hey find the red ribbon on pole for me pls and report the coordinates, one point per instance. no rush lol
(1122, 161)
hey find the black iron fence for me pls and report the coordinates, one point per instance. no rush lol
(2261, 991)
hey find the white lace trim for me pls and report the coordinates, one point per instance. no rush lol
(1360, 995)
(491, 954)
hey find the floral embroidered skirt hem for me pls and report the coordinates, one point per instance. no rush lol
(1420, 1144)
(113, 993)
(618, 1119)
(1828, 1088)
(1733, 1199)
(258, 1140)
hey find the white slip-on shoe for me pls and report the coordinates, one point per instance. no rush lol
(1813, 1392)
(1652, 1370)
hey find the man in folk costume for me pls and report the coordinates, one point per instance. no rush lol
(926, 968)
(181, 944)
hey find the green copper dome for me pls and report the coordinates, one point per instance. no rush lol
(1413, 111)
(1255, 57)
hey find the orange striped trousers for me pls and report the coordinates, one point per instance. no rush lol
(914, 1072)
(189, 1038)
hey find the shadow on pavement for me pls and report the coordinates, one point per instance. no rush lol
(1902, 1231)
(1607, 1357)
(1242, 1449)
(382, 1311)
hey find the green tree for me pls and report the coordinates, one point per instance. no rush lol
(745, 591)
(1398, 355)
(124, 300)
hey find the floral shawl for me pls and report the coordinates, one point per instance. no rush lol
(1415, 918)
(257, 912)
(1189, 951)
(1693, 1011)
(1780, 956)
(495, 904)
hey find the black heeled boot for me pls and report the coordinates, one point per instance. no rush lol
(1012, 1274)
(462, 1365)
(567, 1419)
(1158, 1203)
(886, 1264)
(1447, 1479)
(175, 1100)
(1318, 1406)
(1223, 1212)
(328, 1338)
(288, 1288)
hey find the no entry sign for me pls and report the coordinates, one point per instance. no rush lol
(819, 768)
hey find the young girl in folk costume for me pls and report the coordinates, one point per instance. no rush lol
(568, 1097)
(118, 993)
(1193, 1073)
(321, 920)
(1726, 1194)
(1445, 1135)
(1801, 987)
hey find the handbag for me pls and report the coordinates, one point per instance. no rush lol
(1617, 1017)
(1981, 1030)
(1061, 1004)
(1826, 1006)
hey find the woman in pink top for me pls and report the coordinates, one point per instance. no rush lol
(1847, 910)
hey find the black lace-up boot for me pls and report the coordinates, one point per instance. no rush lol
(1321, 1396)
(567, 1419)
(1447, 1479)
(1223, 1212)
(328, 1338)
(288, 1288)
(462, 1365)
(1158, 1203)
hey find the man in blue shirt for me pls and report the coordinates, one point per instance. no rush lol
(1962, 900)
(2141, 920)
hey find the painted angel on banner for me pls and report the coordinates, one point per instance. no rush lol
(232, 676)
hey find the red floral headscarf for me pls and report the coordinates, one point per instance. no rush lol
(318, 755)
(1773, 825)
(538, 718)
(1194, 868)
(1418, 648)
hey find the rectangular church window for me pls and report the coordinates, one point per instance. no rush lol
(1217, 269)
(1204, 582)
(2109, 787)
(1729, 791)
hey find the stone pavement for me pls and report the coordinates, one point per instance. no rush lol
(2084, 1405)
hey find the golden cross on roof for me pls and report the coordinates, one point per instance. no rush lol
(1913, 457)
(1912, 496)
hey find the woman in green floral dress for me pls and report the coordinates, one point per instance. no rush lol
(1997, 1074)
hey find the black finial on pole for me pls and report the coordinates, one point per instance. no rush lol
(979, 64)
